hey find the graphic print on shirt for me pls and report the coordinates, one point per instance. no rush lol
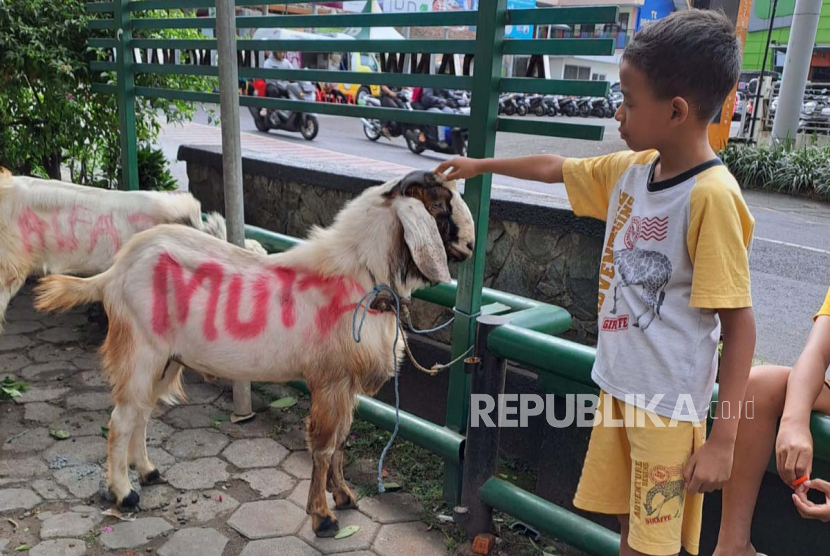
(651, 270)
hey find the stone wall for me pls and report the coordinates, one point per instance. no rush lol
(541, 250)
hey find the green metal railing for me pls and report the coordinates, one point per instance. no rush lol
(531, 323)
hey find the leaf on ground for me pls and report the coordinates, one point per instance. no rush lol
(59, 434)
(23, 548)
(391, 486)
(105, 432)
(284, 403)
(347, 531)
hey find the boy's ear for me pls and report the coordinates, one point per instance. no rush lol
(679, 110)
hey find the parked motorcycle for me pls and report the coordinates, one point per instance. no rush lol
(568, 106)
(286, 120)
(537, 105)
(373, 128)
(551, 105)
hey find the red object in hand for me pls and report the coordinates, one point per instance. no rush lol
(800, 480)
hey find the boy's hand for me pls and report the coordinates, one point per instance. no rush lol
(462, 168)
(807, 509)
(709, 468)
(793, 452)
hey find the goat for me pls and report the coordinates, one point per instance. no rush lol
(55, 227)
(174, 294)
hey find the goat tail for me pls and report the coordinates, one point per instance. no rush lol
(215, 225)
(60, 293)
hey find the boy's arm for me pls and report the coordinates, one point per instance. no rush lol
(794, 446)
(545, 168)
(711, 466)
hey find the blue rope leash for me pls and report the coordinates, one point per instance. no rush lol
(357, 331)
(356, 335)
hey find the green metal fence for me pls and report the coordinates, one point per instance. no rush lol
(564, 367)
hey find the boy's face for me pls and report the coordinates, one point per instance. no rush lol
(645, 121)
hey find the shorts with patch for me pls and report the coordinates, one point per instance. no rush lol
(637, 469)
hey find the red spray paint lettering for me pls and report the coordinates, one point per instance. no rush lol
(245, 330)
(105, 226)
(183, 293)
(68, 242)
(337, 291)
(141, 221)
(30, 224)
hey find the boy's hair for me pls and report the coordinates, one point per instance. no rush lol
(692, 54)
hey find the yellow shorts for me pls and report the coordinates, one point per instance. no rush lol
(637, 469)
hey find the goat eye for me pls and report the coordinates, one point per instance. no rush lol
(437, 207)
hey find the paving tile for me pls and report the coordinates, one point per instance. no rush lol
(22, 327)
(409, 538)
(12, 362)
(251, 453)
(197, 474)
(191, 416)
(59, 547)
(62, 335)
(76, 451)
(269, 482)
(42, 412)
(284, 546)
(267, 518)
(196, 443)
(10, 342)
(49, 490)
(298, 464)
(362, 540)
(82, 423)
(132, 534)
(90, 400)
(195, 541)
(392, 507)
(32, 440)
(70, 524)
(54, 371)
(201, 393)
(207, 506)
(18, 499)
(82, 481)
(38, 393)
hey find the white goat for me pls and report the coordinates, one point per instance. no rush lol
(174, 294)
(55, 227)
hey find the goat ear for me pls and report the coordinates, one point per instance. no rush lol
(423, 239)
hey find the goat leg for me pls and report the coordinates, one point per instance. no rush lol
(336, 484)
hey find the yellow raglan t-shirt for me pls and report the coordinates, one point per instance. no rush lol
(675, 251)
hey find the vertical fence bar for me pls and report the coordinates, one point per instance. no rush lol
(126, 96)
(232, 159)
(482, 144)
(481, 454)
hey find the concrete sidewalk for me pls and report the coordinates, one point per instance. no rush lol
(233, 488)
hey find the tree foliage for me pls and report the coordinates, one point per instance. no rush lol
(49, 115)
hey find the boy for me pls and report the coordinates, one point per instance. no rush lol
(674, 269)
(789, 394)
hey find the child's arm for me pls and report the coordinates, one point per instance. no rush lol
(544, 167)
(711, 466)
(794, 447)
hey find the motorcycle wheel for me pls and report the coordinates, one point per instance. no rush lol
(413, 144)
(551, 111)
(584, 111)
(609, 113)
(510, 110)
(522, 110)
(260, 122)
(539, 110)
(372, 134)
(310, 128)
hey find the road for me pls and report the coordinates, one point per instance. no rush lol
(790, 259)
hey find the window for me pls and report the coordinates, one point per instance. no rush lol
(369, 61)
(577, 72)
(598, 77)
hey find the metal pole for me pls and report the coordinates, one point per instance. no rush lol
(126, 97)
(796, 68)
(232, 159)
(763, 69)
(482, 447)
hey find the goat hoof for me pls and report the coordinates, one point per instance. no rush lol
(153, 478)
(347, 505)
(130, 502)
(328, 528)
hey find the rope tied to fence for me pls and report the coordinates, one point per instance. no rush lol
(362, 308)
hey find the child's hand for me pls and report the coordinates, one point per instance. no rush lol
(709, 468)
(462, 168)
(807, 509)
(793, 452)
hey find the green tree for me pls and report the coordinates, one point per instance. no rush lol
(49, 115)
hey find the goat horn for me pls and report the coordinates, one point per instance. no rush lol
(428, 179)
